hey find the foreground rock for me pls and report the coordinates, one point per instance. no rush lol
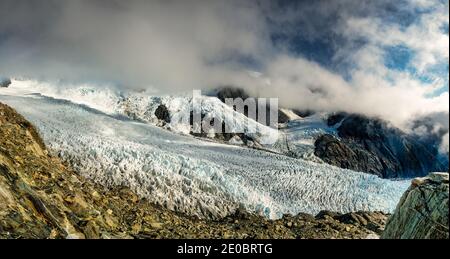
(422, 211)
(40, 197)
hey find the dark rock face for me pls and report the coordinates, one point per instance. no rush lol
(372, 146)
(435, 126)
(282, 117)
(5, 82)
(223, 136)
(422, 212)
(303, 113)
(235, 92)
(335, 152)
(336, 118)
(162, 113)
(231, 92)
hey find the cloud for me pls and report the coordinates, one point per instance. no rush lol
(185, 45)
(425, 37)
(170, 45)
(362, 35)
(444, 148)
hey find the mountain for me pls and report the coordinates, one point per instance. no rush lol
(41, 197)
(122, 165)
(115, 139)
(222, 93)
(371, 145)
(361, 143)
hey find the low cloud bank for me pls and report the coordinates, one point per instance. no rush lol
(174, 46)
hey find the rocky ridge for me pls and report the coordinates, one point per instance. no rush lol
(371, 145)
(368, 144)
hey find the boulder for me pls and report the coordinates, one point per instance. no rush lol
(162, 113)
(422, 212)
(4, 82)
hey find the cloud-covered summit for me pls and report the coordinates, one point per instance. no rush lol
(381, 58)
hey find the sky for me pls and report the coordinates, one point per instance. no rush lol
(380, 58)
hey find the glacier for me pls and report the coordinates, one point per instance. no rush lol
(89, 128)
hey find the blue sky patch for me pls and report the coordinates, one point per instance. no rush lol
(398, 57)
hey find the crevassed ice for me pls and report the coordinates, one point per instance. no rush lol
(196, 177)
(141, 106)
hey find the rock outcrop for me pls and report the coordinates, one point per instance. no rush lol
(422, 212)
(231, 92)
(335, 152)
(223, 136)
(224, 93)
(5, 82)
(162, 113)
(282, 116)
(371, 145)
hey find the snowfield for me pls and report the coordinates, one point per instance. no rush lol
(300, 134)
(86, 128)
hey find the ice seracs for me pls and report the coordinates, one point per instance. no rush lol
(189, 175)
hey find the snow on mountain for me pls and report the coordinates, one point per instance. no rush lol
(186, 174)
(290, 114)
(142, 106)
(299, 135)
(104, 99)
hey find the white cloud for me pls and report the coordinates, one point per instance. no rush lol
(444, 148)
(424, 37)
(184, 45)
(306, 85)
(172, 45)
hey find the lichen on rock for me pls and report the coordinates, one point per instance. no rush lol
(422, 212)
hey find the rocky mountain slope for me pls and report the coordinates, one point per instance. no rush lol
(183, 173)
(371, 145)
(422, 213)
(40, 197)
